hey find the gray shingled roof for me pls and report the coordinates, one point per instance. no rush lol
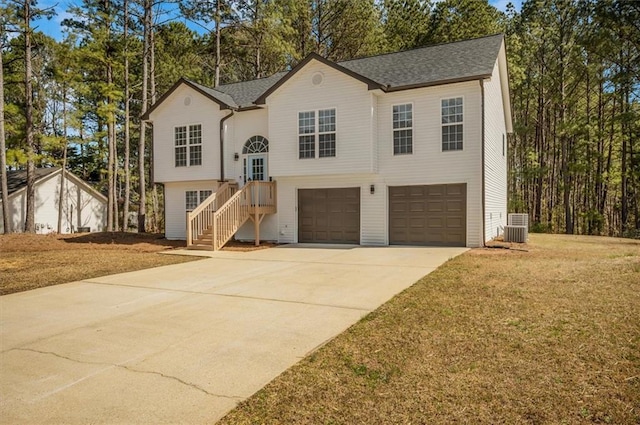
(222, 97)
(245, 93)
(17, 179)
(430, 65)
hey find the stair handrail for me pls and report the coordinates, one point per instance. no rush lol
(201, 217)
(231, 216)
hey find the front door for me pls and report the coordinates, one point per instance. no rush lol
(257, 167)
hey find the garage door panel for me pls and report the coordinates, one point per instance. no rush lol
(428, 215)
(435, 206)
(329, 215)
(455, 206)
(417, 206)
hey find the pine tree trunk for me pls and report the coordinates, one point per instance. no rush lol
(3, 153)
(63, 176)
(29, 225)
(142, 209)
(218, 29)
(127, 125)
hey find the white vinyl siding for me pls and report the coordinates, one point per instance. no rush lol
(452, 124)
(402, 129)
(351, 100)
(174, 112)
(429, 164)
(495, 158)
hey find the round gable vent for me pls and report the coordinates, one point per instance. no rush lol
(187, 101)
(317, 78)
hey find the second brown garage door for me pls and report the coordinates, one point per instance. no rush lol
(428, 215)
(329, 215)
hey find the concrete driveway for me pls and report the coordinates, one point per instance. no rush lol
(185, 343)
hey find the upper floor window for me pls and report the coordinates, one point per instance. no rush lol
(317, 133)
(188, 145)
(452, 124)
(402, 129)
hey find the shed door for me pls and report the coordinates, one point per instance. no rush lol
(329, 215)
(428, 215)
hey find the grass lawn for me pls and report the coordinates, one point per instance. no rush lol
(33, 261)
(551, 335)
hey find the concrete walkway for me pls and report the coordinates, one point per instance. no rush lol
(185, 343)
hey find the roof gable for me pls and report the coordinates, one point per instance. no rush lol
(314, 56)
(223, 99)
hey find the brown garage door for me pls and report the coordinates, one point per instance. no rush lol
(329, 215)
(428, 215)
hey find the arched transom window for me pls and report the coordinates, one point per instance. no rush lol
(256, 144)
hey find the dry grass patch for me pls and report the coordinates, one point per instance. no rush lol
(34, 261)
(495, 336)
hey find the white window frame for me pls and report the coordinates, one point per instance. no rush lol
(412, 128)
(317, 133)
(200, 196)
(188, 145)
(442, 125)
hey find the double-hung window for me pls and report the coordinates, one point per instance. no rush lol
(452, 124)
(317, 134)
(188, 145)
(402, 129)
(193, 198)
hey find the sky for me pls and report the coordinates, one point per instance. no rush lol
(53, 27)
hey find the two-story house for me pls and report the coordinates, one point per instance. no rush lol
(401, 148)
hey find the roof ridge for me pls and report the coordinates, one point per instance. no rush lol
(252, 80)
(422, 47)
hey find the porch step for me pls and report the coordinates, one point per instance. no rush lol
(198, 246)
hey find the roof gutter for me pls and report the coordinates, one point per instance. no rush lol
(483, 161)
(226, 117)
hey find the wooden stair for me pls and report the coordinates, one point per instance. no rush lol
(211, 225)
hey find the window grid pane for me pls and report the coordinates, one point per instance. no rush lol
(307, 146)
(452, 137)
(327, 145)
(452, 110)
(180, 136)
(181, 156)
(327, 120)
(191, 199)
(402, 142)
(204, 194)
(307, 122)
(195, 155)
(195, 134)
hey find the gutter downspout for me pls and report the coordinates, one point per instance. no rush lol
(483, 162)
(226, 117)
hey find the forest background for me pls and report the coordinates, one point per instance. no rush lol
(75, 100)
